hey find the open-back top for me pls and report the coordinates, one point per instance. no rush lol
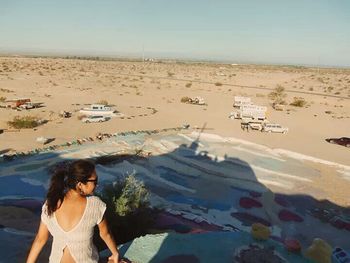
(79, 239)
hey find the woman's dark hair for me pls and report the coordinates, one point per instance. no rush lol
(65, 178)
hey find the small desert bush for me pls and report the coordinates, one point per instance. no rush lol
(330, 88)
(320, 80)
(170, 74)
(185, 99)
(26, 122)
(188, 85)
(298, 102)
(278, 95)
(6, 90)
(218, 84)
(103, 102)
(2, 99)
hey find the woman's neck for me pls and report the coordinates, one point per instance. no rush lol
(73, 195)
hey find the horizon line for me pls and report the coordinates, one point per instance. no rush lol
(141, 58)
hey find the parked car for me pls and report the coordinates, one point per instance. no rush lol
(95, 119)
(255, 126)
(30, 105)
(344, 141)
(274, 127)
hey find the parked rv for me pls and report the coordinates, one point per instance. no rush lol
(98, 109)
(241, 101)
(251, 112)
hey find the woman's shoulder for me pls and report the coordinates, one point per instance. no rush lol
(96, 200)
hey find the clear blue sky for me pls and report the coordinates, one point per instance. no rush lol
(277, 31)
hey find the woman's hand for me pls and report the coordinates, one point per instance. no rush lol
(113, 259)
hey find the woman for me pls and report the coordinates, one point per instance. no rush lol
(70, 214)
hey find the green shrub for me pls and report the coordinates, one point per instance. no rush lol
(298, 102)
(128, 212)
(26, 122)
(133, 196)
(278, 95)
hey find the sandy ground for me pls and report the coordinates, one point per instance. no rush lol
(137, 88)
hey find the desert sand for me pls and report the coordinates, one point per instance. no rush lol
(149, 94)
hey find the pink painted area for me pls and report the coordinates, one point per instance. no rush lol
(292, 245)
(248, 203)
(347, 226)
(339, 223)
(285, 215)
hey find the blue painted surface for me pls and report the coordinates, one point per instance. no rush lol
(172, 176)
(207, 247)
(14, 186)
(13, 247)
(178, 179)
(201, 202)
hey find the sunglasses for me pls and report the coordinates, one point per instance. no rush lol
(95, 181)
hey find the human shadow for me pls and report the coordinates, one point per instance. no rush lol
(198, 192)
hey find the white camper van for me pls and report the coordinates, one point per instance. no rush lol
(241, 101)
(250, 112)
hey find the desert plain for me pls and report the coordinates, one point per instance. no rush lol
(149, 94)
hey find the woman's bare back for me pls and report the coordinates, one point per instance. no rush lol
(68, 216)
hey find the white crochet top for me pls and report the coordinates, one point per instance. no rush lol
(79, 239)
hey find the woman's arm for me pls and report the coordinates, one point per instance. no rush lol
(40, 240)
(108, 239)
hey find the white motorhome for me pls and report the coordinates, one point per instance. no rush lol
(98, 109)
(250, 112)
(241, 101)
